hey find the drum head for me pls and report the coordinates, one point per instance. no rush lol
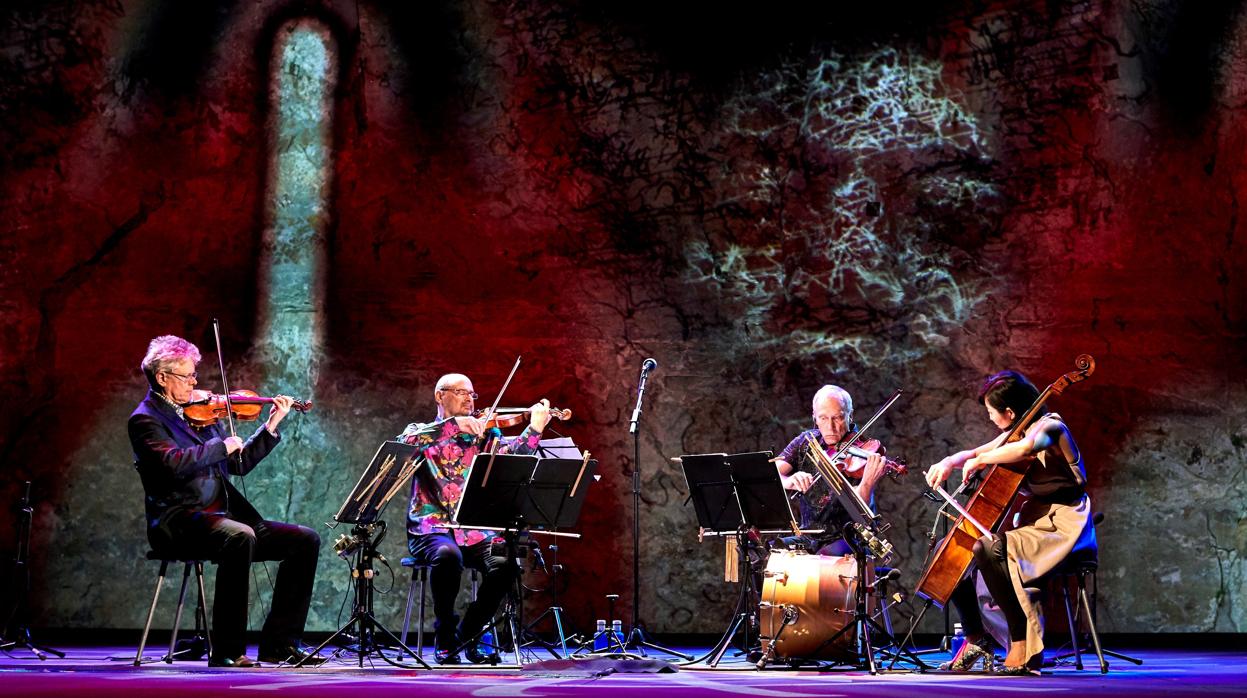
(822, 590)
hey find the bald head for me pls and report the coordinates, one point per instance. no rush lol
(454, 395)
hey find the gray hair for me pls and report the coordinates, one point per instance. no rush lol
(163, 352)
(835, 391)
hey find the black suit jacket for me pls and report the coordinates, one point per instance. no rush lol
(184, 470)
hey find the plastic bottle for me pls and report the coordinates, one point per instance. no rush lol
(600, 640)
(958, 639)
(617, 639)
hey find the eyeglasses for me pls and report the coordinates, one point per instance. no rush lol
(460, 392)
(188, 377)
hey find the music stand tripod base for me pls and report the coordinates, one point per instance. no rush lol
(392, 464)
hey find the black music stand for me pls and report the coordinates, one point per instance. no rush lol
(514, 494)
(390, 468)
(733, 495)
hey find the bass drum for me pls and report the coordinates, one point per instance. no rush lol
(822, 590)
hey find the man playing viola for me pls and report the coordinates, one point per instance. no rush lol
(194, 511)
(448, 445)
(833, 418)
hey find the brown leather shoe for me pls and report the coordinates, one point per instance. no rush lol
(239, 662)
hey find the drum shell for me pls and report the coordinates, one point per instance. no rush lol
(823, 589)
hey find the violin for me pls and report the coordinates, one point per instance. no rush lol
(854, 460)
(206, 407)
(504, 417)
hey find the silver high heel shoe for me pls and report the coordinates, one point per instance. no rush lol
(970, 655)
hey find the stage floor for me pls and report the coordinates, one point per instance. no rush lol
(100, 672)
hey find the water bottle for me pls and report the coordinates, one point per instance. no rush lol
(486, 643)
(600, 641)
(617, 634)
(958, 639)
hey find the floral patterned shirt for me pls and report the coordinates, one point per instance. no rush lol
(448, 452)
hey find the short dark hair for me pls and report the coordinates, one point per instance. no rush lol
(1010, 390)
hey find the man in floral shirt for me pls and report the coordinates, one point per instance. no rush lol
(448, 445)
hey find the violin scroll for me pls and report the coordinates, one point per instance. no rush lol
(1085, 364)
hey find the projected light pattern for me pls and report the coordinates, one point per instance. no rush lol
(289, 346)
(290, 334)
(819, 146)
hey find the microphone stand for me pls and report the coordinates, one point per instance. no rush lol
(16, 633)
(636, 636)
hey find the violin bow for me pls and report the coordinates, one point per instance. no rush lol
(492, 409)
(229, 405)
(498, 400)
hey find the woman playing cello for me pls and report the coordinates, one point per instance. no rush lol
(1054, 521)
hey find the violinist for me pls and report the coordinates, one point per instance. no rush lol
(448, 445)
(193, 509)
(1053, 521)
(833, 420)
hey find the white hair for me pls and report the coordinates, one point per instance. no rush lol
(163, 352)
(835, 391)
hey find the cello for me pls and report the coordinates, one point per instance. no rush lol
(986, 508)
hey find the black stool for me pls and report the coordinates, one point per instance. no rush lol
(1077, 568)
(420, 578)
(201, 616)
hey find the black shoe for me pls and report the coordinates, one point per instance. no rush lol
(446, 657)
(191, 648)
(476, 656)
(239, 662)
(290, 654)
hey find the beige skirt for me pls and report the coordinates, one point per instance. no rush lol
(1043, 535)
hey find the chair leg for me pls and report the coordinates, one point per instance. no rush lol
(203, 606)
(411, 588)
(1086, 610)
(1073, 627)
(160, 580)
(177, 616)
(424, 578)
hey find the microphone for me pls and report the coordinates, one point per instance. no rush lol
(646, 366)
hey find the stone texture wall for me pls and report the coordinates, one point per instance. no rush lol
(763, 203)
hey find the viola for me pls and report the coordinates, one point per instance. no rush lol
(504, 417)
(854, 459)
(206, 407)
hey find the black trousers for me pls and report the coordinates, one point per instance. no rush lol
(991, 558)
(447, 560)
(235, 545)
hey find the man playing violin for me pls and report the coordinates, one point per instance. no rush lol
(1053, 521)
(833, 420)
(194, 511)
(448, 445)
